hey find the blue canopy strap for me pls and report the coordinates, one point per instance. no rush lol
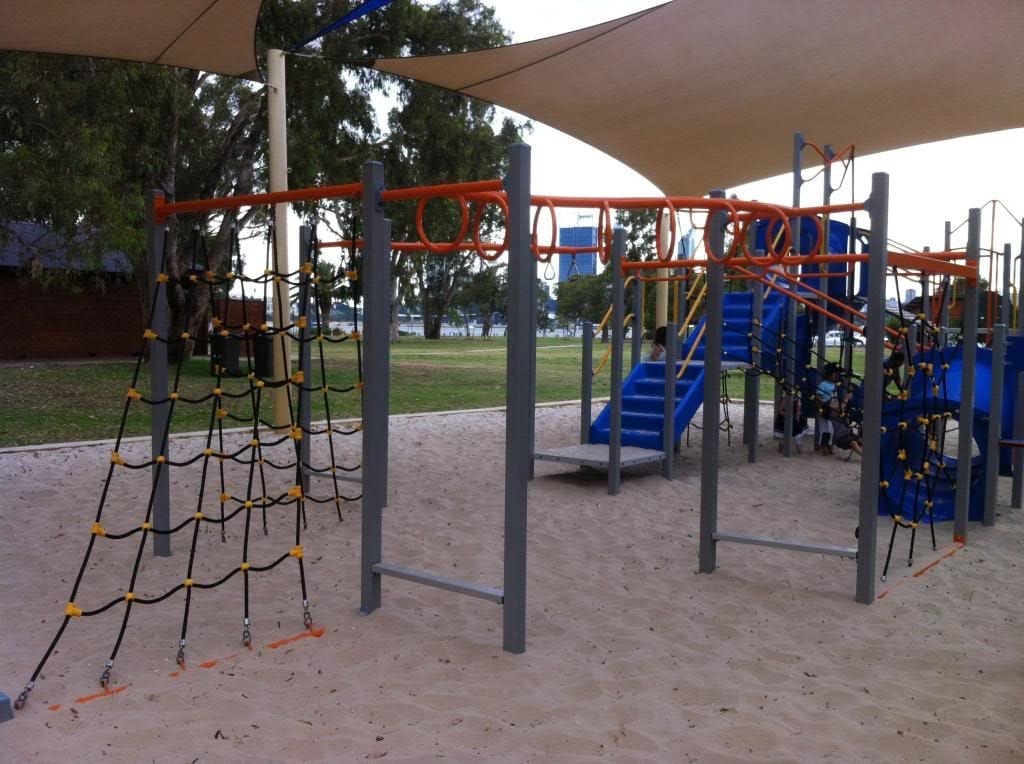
(356, 13)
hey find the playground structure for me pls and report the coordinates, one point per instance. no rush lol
(742, 335)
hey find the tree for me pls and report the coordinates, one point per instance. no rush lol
(487, 292)
(586, 298)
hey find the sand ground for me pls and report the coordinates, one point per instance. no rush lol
(631, 655)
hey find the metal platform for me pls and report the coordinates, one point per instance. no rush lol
(596, 455)
(348, 477)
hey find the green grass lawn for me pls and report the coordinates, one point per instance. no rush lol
(54, 402)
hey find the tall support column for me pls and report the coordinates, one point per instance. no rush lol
(708, 553)
(1017, 499)
(995, 423)
(970, 351)
(752, 380)
(277, 132)
(519, 412)
(788, 343)
(661, 316)
(615, 404)
(376, 282)
(851, 290)
(1020, 286)
(668, 439)
(306, 307)
(1005, 316)
(160, 323)
(587, 381)
(926, 306)
(874, 356)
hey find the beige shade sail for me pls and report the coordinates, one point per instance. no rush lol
(210, 35)
(703, 94)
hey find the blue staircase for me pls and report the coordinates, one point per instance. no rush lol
(643, 392)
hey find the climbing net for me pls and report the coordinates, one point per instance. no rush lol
(269, 472)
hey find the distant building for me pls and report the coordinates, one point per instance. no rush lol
(582, 264)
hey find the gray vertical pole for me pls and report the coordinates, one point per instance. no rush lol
(995, 423)
(752, 383)
(823, 285)
(912, 340)
(306, 307)
(947, 237)
(851, 290)
(519, 398)
(376, 279)
(926, 308)
(708, 554)
(1017, 499)
(615, 431)
(789, 340)
(874, 355)
(1004, 302)
(1020, 293)
(684, 287)
(587, 381)
(636, 345)
(947, 287)
(158, 384)
(668, 440)
(969, 342)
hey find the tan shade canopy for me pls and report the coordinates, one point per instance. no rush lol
(211, 35)
(702, 94)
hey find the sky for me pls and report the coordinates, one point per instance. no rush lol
(929, 184)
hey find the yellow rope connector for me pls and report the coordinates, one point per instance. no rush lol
(296, 552)
(162, 278)
(295, 491)
(160, 459)
(267, 272)
(929, 369)
(254, 442)
(174, 396)
(225, 333)
(116, 458)
(299, 377)
(230, 275)
(277, 279)
(352, 275)
(306, 268)
(97, 530)
(209, 275)
(929, 503)
(935, 391)
(316, 279)
(355, 335)
(926, 468)
(245, 328)
(149, 335)
(320, 338)
(326, 388)
(259, 383)
(147, 526)
(295, 433)
(198, 516)
(897, 518)
(221, 413)
(945, 367)
(918, 476)
(301, 322)
(207, 452)
(186, 336)
(264, 327)
(71, 610)
(225, 497)
(903, 425)
(133, 394)
(923, 420)
(901, 455)
(215, 322)
(359, 385)
(244, 566)
(883, 484)
(218, 391)
(884, 430)
(903, 331)
(913, 525)
(188, 583)
(908, 473)
(904, 395)
(248, 504)
(129, 596)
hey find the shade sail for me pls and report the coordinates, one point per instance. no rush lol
(702, 94)
(211, 35)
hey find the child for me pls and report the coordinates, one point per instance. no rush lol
(825, 397)
(799, 423)
(658, 346)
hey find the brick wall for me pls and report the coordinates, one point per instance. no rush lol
(58, 323)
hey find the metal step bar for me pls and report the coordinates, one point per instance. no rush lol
(440, 582)
(796, 546)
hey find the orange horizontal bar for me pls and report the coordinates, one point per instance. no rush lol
(444, 189)
(163, 209)
(925, 263)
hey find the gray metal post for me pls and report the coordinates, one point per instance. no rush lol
(306, 307)
(158, 384)
(965, 434)
(376, 278)
(947, 288)
(752, 382)
(519, 397)
(668, 440)
(789, 340)
(995, 423)
(1004, 300)
(637, 338)
(1020, 292)
(587, 381)
(1017, 499)
(708, 554)
(874, 355)
(684, 287)
(851, 290)
(926, 308)
(615, 431)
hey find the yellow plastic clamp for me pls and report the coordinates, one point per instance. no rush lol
(162, 278)
(174, 396)
(161, 459)
(355, 335)
(198, 516)
(229, 275)
(296, 552)
(186, 336)
(147, 526)
(129, 596)
(225, 497)
(295, 433)
(188, 583)
(264, 327)
(244, 566)
(306, 268)
(301, 322)
(299, 377)
(259, 383)
(883, 484)
(133, 394)
(254, 442)
(218, 391)
(221, 413)
(352, 275)
(249, 504)
(116, 458)
(149, 334)
(295, 491)
(71, 610)
(97, 530)
(359, 385)
(207, 452)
